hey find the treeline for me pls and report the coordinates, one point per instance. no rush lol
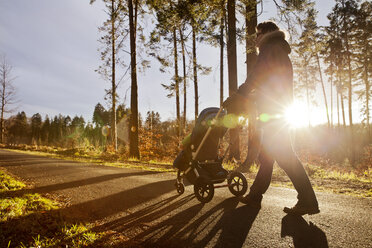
(157, 139)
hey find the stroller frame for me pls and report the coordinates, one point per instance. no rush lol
(204, 185)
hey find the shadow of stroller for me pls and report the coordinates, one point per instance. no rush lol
(305, 235)
(223, 225)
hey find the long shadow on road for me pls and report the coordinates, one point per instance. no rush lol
(74, 184)
(14, 159)
(109, 205)
(92, 210)
(221, 226)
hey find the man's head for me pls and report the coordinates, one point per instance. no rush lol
(263, 28)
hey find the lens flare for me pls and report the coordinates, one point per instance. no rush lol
(231, 121)
(296, 115)
(264, 117)
(105, 130)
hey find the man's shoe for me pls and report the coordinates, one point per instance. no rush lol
(300, 209)
(254, 202)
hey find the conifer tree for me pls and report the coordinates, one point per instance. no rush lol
(112, 42)
(305, 63)
(36, 124)
(363, 44)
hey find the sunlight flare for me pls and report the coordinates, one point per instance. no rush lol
(298, 115)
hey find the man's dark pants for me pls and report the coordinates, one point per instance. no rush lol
(276, 146)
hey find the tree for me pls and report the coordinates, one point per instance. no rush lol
(222, 48)
(334, 57)
(112, 41)
(168, 22)
(343, 18)
(184, 78)
(315, 44)
(19, 128)
(36, 124)
(7, 92)
(232, 73)
(363, 44)
(305, 65)
(197, 15)
(45, 129)
(133, 133)
(152, 121)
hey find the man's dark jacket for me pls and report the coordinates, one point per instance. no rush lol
(272, 76)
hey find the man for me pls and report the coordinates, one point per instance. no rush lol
(271, 83)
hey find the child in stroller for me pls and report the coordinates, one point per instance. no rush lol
(200, 163)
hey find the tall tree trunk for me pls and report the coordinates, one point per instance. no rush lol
(331, 95)
(250, 23)
(133, 133)
(195, 70)
(176, 79)
(2, 108)
(233, 74)
(349, 87)
(222, 47)
(323, 88)
(368, 94)
(113, 93)
(184, 80)
(343, 109)
(338, 110)
(307, 97)
(350, 92)
(250, 60)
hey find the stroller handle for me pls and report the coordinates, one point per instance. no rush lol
(194, 155)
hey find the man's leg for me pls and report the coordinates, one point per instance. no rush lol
(289, 162)
(261, 182)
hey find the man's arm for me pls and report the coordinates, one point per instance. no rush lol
(255, 77)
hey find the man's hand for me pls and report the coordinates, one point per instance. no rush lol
(236, 104)
(228, 102)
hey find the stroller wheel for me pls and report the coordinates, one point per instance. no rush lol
(180, 188)
(204, 190)
(238, 184)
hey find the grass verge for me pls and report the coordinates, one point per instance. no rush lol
(32, 220)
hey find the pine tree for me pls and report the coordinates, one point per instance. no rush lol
(305, 66)
(133, 133)
(36, 124)
(112, 42)
(363, 44)
(45, 129)
(168, 22)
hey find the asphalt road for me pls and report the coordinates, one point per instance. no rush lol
(144, 209)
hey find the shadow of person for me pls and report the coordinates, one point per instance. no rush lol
(223, 225)
(305, 235)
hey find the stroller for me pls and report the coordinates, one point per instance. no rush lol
(200, 163)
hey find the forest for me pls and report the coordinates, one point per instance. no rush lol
(336, 59)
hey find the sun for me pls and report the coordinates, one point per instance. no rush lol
(297, 115)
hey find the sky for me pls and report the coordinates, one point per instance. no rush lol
(52, 46)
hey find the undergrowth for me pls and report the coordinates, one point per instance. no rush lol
(31, 220)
